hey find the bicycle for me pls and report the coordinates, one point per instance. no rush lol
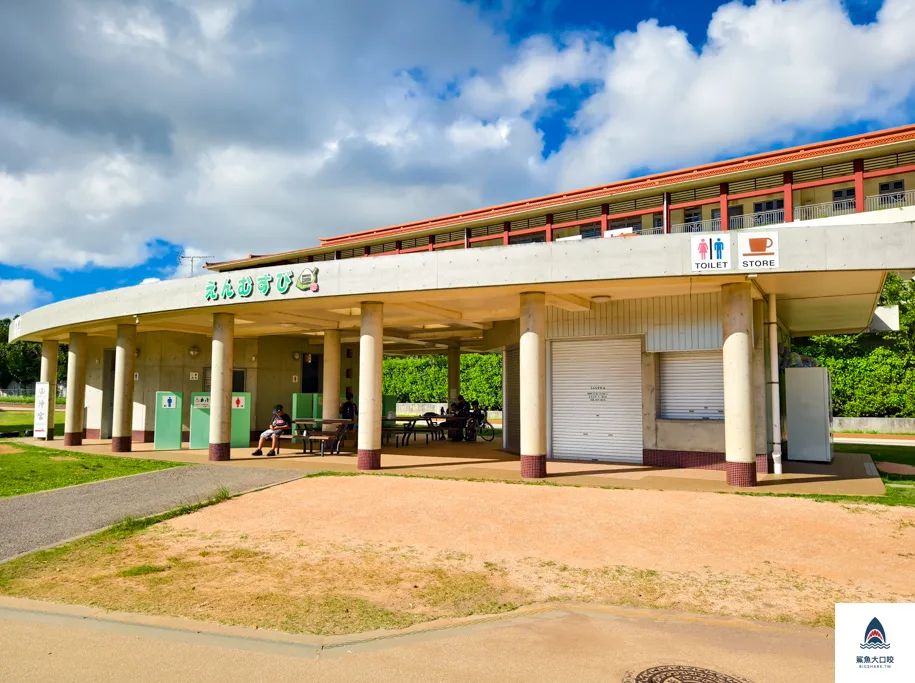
(480, 427)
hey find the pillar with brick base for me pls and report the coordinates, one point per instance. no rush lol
(330, 409)
(739, 432)
(370, 355)
(221, 386)
(48, 373)
(454, 372)
(532, 350)
(76, 389)
(122, 414)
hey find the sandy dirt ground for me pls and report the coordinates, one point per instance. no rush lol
(335, 555)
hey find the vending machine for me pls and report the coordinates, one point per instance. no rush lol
(808, 407)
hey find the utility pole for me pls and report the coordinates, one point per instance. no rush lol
(192, 260)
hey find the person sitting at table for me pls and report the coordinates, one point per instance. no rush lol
(279, 425)
(462, 408)
(459, 412)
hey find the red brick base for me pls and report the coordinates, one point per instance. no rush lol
(533, 466)
(144, 436)
(741, 473)
(696, 460)
(73, 439)
(369, 459)
(120, 444)
(92, 433)
(220, 451)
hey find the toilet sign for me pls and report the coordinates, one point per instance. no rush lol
(710, 252)
(202, 402)
(238, 403)
(169, 402)
(757, 250)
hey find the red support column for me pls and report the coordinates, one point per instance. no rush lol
(398, 246)
(789, 196)
(431, 242)
(505, 233)
(604, 213)
(723, 206)
(859, 185)
(549, 227)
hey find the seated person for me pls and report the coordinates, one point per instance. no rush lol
(476, 412)
(455, 427)
(280, 424)
(462, 408)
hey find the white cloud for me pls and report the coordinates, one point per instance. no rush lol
(256, 126)
(19, 296)
(150, 280)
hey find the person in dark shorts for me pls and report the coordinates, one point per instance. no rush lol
(279, 425)
(348, 409)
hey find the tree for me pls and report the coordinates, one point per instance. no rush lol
(424, 379)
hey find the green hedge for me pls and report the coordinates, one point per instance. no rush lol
(424, 379)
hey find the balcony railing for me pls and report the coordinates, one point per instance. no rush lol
(824, 210)
(890, 200)
(753, 220)
(712, 225)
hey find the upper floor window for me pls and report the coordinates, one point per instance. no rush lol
(692, 215)
(892, 186)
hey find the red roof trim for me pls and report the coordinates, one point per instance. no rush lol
(775, 157)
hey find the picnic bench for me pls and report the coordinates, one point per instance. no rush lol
(328, 440)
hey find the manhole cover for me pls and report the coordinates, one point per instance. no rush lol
(680, 674)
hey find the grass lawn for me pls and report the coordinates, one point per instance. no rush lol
(20, 420)
(26, 468)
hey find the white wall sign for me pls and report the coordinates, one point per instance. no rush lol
(238, 403)
(169, 402)
(43, 410)
(710, 252)
(202, 402)
(598, 394)
(136, 376)
(757, 250)
(195, 376)
(875, 642)
(295, 379)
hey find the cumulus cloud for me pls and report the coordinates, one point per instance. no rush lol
(252, 126)
(19, 296)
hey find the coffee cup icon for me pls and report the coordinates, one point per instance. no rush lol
(760, 246)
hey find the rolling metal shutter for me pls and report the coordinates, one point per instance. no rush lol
(596, 400)
(511, 401)
(692, 386)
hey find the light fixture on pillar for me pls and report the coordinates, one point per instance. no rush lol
(136, 352)
(296, 355)
(194, 351)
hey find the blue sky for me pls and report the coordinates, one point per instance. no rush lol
(134, 131)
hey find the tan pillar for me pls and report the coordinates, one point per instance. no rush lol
(331, 408)
(48, 373)
(122, 418)
(533, 385)
(221, 386)
(776, 407)
(739, 434)
(454, 373)
(370, 355)
(76, 389)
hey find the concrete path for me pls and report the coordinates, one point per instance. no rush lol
(39, 520)
(48, 642)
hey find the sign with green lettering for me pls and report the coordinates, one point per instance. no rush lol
(266, 284)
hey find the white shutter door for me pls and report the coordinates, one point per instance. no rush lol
(511, 401)
(596, 391)
(692, 386)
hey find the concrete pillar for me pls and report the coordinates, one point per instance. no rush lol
(776, 408)
(221, 386)
(533, 385)
(331, 408)
(122, 418)
(454, 373)
(48, 374)
(739, 434)
(370, 355)
(76, 389)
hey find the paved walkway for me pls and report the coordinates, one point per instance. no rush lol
(848, 473)
(39, 520)
(48, 642)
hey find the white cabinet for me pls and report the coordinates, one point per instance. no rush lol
(808, 406)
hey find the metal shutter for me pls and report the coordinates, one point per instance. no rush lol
(692, 386)
(596, 400)
(511, 401)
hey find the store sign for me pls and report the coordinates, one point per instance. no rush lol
(202, 402)
(43, 409)
(267, 284)
(710, 253)
(757, 250)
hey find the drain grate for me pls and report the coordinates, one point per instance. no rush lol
(680, 674)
